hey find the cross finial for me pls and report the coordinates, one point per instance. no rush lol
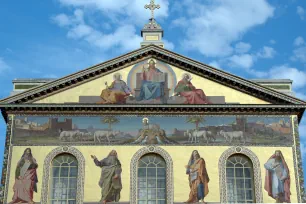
(152, 6)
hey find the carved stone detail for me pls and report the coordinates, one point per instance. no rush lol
(256, 169)
(81, 172)
(169, 171)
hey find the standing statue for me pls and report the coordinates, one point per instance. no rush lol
(110, 180)
(25, 179)
(277, 181)
(198, 178)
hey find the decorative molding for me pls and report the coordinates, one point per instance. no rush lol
(94, 109)
(298, 166)
(169, 172)
(256, 169)
(81, 172)
(164, 55)
(6, 167)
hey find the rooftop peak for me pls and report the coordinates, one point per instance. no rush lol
(152, 6)
(152, 32)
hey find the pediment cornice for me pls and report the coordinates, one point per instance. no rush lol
(182, 62)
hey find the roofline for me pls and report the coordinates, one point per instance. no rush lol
(272, 80)
(34, 80)
(46, 105)
(185, 63)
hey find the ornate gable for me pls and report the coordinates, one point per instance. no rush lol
(219, 86)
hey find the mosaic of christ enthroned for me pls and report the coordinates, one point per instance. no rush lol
(152, 82)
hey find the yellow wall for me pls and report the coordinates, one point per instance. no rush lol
(94, 87)
(180, 156)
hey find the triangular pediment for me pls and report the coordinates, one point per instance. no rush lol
(165, 84)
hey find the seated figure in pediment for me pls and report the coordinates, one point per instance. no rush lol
(192, 95)
(116, 93)
(152, 84)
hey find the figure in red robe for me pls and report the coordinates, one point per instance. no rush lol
(277, 181)
(25, 179)
(189, 92)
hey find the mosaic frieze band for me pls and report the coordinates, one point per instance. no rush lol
(162, 130)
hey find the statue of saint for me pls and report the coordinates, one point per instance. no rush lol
(110, 180)
(25, 179)
(198, 178)
(277, 181)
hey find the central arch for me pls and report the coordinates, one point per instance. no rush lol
(169, 171)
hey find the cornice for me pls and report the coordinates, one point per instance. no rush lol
(97, 109)
(164, 55)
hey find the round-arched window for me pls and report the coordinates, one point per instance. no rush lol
(63, 179)
(151, 180)
(239, 179)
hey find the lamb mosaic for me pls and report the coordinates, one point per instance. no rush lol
(162, 130)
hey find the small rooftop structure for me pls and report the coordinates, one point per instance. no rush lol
(20, 85)
(281, 85)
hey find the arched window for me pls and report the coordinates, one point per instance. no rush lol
(239, 179)
(63, 179)
(151, 180)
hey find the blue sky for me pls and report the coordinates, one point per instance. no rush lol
(252, 39)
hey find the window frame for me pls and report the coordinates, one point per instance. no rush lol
(47, 173)
(256, 172)
(243, 177)
(59, 167)
(134, 172)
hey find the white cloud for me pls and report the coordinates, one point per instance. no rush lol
(168, 45)
(287, 72)
(242, 61)
(61, 20)
(272, 42)
(215, 64)
(242, 47)
(266, 52)
(211, 29)
(299, 54)
(131, 11)
(124, 38)
(3, 65)
(299, 41)
(301, 12)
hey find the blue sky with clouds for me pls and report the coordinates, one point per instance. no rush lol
(252, 39)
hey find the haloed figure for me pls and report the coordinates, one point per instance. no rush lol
(198, 178)
(110, 180)
(25, 179)
(277, 182)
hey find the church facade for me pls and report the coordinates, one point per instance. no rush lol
(152, 126)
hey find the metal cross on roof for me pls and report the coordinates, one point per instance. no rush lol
(152, 6)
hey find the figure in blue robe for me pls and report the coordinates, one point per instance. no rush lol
(150, 89)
